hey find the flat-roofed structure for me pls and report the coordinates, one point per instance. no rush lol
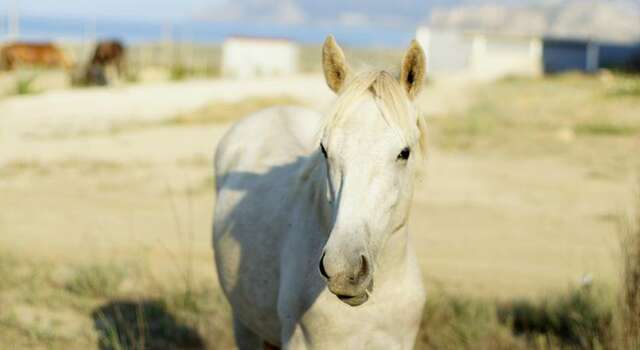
(254, 57)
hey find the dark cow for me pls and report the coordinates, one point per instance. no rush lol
(35, 54)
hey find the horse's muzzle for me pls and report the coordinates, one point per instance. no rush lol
(350, 286)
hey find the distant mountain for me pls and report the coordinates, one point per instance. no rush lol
(599, 19)
(616, 20)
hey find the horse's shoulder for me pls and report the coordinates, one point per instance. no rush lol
(272, 124)
(259, 139)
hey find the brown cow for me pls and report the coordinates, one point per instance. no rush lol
(108, 52)
(37, 54)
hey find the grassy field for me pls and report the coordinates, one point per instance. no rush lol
(518, 224)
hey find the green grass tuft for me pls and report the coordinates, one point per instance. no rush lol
(626, 87)
(179, 72)
(24, 85)
(605, 129)
(96, 280)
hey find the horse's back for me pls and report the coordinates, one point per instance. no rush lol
(33, 53)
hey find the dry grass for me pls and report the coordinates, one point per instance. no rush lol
(582, 318)
(195, 315)
(554, 110)
(627, 87)
(120, 307)
(214, 113)
(451, 322)
(630, 289)
(108, 307)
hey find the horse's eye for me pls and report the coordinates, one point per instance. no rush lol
(324, 151)
(405, 153)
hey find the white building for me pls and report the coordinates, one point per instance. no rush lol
(248, 57)
(480, 55)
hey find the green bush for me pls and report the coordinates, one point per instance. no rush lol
(605, 128)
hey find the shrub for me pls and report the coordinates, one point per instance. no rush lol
(582, 318)
(453, 322)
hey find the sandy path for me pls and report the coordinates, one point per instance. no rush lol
(98, 108)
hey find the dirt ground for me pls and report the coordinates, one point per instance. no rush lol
(494, 224)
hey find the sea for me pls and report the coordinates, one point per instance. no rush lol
(66, 29)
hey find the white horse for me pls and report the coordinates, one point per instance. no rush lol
(310, 230)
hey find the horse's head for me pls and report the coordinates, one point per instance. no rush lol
(373, 142)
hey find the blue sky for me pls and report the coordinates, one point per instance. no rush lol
(122, 9)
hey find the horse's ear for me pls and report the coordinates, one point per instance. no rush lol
(334, 64)
(413, 69)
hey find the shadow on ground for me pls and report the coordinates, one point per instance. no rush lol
(142, 325)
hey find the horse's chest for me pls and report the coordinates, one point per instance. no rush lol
(389, 323)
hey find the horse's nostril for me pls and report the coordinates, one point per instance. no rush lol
(359, 275)
(364, 267)
(323, 272)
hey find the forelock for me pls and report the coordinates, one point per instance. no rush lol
(393, 102)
